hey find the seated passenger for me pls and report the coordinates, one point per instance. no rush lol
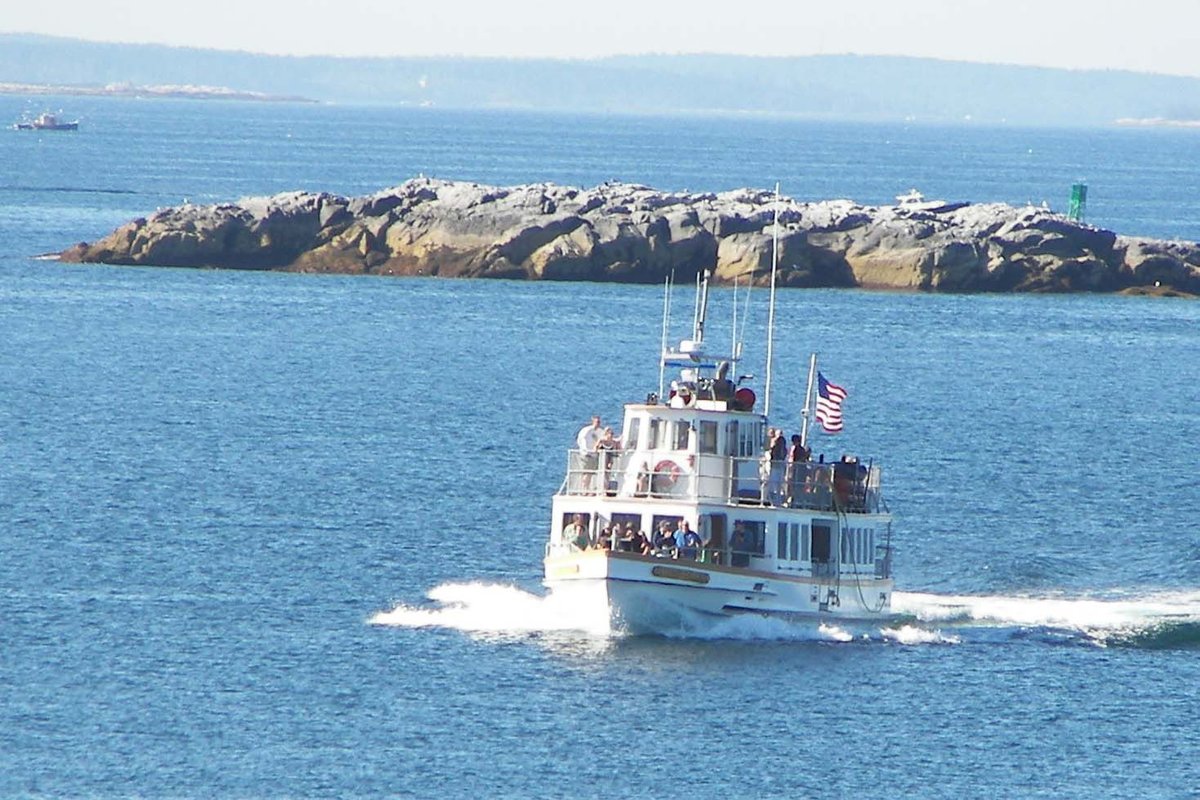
(575, 534)
(641, 544)
(625, 542)
(603, 534)
(688, 542)
(664, 539)
(739, 547)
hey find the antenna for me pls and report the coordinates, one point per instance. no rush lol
(666, 322)
(703, 298)
(745, 315)
(771, 304)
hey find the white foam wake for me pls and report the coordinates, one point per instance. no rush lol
(1097, 617)
(495, 608)
(505, 610)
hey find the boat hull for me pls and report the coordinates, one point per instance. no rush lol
(645, 594)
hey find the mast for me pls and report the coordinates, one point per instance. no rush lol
(733, 345)
(666, 321)
(771, 305)
(812, 374)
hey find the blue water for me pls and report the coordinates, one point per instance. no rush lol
(273, 535)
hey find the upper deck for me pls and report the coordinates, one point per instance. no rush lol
(704, 451)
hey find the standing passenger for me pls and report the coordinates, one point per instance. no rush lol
(797, 469)
(587, 439)
(778, 449)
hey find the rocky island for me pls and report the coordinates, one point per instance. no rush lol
(636, 234)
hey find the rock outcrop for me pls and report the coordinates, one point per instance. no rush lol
(629, 233)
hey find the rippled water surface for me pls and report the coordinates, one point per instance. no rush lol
(279, 535)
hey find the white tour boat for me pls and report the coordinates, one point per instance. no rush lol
(803, 540)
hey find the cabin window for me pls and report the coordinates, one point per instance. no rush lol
(569, 517)
(804, 542)
(845, 545)
(870, 555)
(712, 530)
(708, 437)
(731, 438)
(656, 434)
(781, 541)
(631, 434)
(794, 550)
(683, 430)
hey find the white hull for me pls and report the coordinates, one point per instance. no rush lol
(644, 594)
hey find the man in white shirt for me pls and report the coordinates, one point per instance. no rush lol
(587, 439)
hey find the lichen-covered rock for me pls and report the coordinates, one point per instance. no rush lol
(633, 233)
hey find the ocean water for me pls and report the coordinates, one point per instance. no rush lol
(268, 535)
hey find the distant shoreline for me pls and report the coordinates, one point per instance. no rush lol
(184, 91)
(1158, 122)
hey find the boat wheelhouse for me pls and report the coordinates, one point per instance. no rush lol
(792, 539)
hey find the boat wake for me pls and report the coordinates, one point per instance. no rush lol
(1163, 620)
(1168, 620)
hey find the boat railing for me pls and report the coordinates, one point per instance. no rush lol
(841, 486)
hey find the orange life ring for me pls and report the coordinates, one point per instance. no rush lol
(666, 474)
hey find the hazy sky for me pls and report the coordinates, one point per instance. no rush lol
(1142, 35)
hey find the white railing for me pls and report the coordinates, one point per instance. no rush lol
(836, 486)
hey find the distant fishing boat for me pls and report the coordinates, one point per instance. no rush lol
(46, 122)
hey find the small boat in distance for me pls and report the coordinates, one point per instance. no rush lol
(46, 122)
(697, 514)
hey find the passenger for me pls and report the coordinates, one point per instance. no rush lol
(664, 539)
(606, 457)
(575, 534)
(587, 439)
(625, 542)
(604, 536)
(778, 448)
(739, 546)
(688, 542)
(764, 476)
(797, 468)
(641, 544)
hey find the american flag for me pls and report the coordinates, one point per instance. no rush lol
(829, 404)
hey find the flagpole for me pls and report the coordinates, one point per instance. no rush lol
(812, 373)
(771, 305)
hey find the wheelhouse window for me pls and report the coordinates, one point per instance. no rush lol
(683, 430)
(656, 434)
(750, 439)
(708, 436)
(631, 434)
